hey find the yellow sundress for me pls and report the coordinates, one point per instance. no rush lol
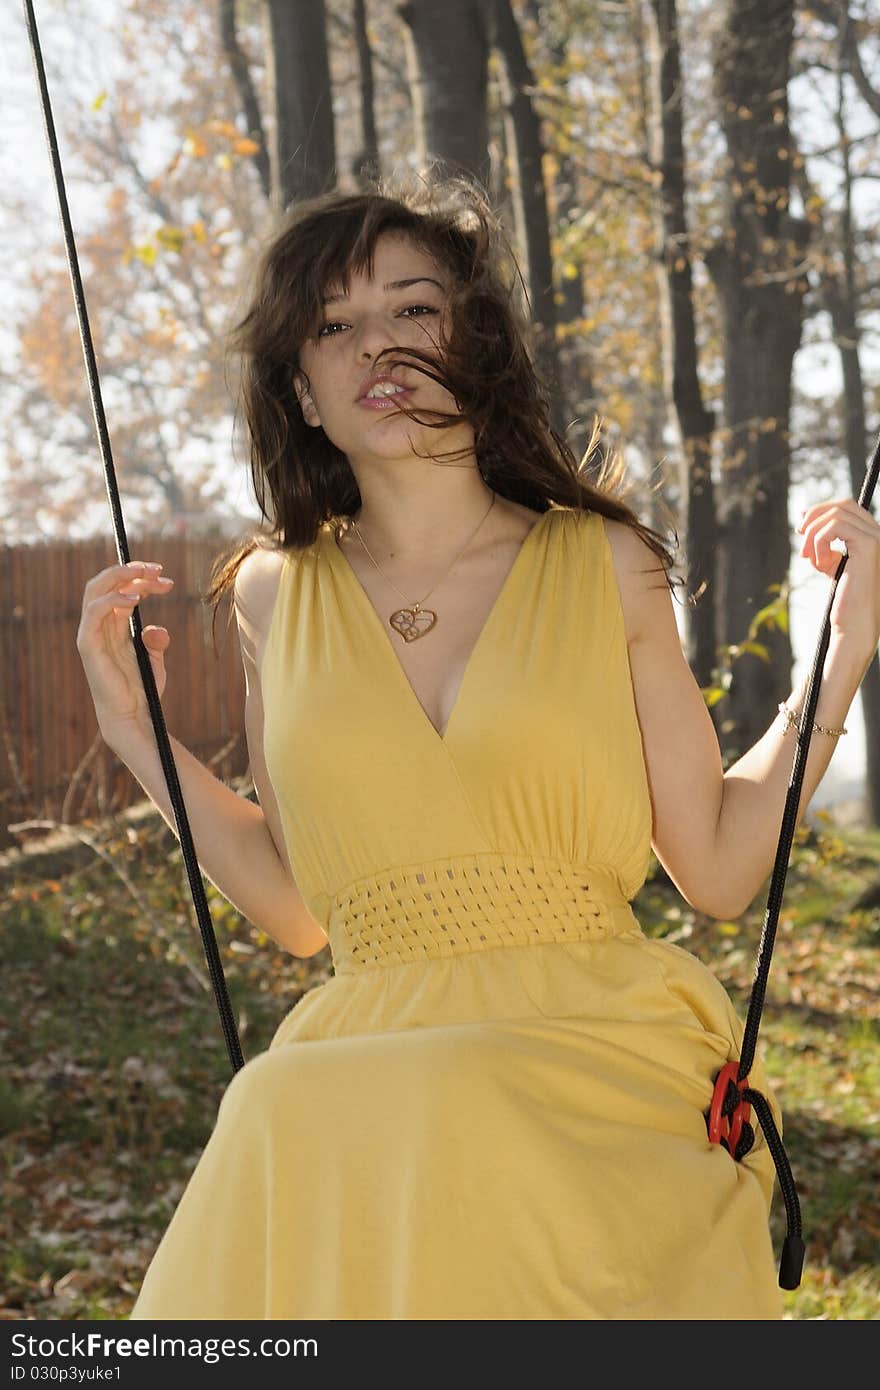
(494, 1108)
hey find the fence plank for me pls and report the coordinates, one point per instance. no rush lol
(45, 702)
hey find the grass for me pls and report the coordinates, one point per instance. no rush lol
(114, 1062)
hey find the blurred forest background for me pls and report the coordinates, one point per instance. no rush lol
(691, 188)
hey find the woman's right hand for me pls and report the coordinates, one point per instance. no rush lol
(105, 645)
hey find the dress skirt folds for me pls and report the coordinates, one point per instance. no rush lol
(494, 1109)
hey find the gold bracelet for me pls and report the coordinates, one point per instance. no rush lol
(792, 720)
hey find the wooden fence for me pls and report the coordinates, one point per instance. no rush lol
(53, 762)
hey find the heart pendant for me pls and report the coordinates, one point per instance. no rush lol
(407, 622)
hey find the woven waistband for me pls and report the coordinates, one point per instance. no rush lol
(471, 903)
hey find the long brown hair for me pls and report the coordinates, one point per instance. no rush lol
(300, 478)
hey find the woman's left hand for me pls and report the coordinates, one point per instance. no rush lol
(855, 613)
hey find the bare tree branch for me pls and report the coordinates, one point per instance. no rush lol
(241, 76)
(840, 17)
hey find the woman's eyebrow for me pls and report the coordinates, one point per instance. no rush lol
(392, 285)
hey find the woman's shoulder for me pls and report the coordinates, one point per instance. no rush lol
(634, 564)
(255, 592)
(256, 587)
(256, 584)
(640, 575)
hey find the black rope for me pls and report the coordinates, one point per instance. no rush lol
(143, 657)
(789, 815)
(792, 1259)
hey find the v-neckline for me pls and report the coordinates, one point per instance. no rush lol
(340, 560)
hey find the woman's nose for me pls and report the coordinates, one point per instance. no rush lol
(379, 331)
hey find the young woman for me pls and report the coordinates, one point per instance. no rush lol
(469, 719)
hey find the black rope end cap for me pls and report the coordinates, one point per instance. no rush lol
(792, 1262)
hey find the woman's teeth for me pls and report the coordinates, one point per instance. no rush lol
(382, 389)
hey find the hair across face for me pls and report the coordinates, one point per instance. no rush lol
(301, 476)
(482, 359)
(392, 317)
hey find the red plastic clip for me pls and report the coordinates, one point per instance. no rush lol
(724, 1128)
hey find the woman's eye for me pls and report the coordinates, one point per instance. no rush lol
(426, 308)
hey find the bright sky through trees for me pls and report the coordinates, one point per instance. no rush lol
(30, 231)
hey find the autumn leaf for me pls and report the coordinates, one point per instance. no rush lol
(245, 146)
(219, 127)
(772, 615)
(756, 649)
(145, 252)
(171, 238)
(712, 694)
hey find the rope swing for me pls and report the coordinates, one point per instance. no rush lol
(197, 888)
(729, 1113)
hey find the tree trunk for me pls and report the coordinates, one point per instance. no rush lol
(365, 165)
(840, 295)
(577, 384)
(302, 150)
(760, 285)
(841, 306)
(679, 338)
(531, 218)
(499, 154)
(447, 60)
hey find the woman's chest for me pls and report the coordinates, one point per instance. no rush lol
(433, 634)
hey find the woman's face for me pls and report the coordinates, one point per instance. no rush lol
(379, 313)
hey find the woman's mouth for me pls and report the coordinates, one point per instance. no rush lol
(385, 402)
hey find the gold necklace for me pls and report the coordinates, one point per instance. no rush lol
(415, 621)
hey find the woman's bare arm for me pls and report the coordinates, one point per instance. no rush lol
(714, 831)
(233, 842)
